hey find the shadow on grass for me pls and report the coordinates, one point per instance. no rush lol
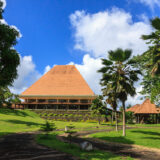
(7, 111)
(73, 149)
(155, 138)
(147, 132)
(23, 122)
(119, 139)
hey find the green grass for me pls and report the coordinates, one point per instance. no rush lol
(12, 121)
(146, 137)
(81, 126)
(52, 142)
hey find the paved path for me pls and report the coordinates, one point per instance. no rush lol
(22, 147)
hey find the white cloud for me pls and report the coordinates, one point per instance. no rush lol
(88, 70)
(27, 74)
(151, 3)
(103, 31)
(4, 3)
(47, 68)
(98, 33)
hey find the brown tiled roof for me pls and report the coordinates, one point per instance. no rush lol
(133, 108)
(60, 80)
(146, 108)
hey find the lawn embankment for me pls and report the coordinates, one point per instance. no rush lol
(54, 143)
(148, 137)
(12, 121)
(83, 126)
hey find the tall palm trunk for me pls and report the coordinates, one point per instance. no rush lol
(116, 120)
(124, 119)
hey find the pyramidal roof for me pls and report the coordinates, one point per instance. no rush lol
(145, 108)
(61, 80)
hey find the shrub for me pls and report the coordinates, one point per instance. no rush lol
(44, 114)
(129, 117)
(47, 127)
(50, 114)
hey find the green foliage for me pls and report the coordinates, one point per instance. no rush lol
(9, 58)
(48, 127)
(45, 114)
(50, 114)
(6, 97)
(118, 77)
(130, 117)
(70, 132)
(149, 63)
(55, 115)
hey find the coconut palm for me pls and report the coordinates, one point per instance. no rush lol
(153, 53)
(119, 74)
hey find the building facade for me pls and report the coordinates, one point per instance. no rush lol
(61, 88)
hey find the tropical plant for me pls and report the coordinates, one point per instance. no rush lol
(149, 64)
(9, 58)
(118, 76)
(98, 108)
(153, 53)
(48, 127)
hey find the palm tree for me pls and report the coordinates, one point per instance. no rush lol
(119, 74)
(153, 53)
(111, 100)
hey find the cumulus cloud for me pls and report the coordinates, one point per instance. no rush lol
(27, 74)
(100, 32)
(47, 68)
(103, 31)
(88, 69)
(151, 3)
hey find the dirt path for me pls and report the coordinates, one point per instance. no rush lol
(134, 151)
(22, 147)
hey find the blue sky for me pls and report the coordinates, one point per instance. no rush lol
(61, 32)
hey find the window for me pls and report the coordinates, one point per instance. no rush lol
(52, 100)
(84, 100)
(41, 100)
(31, 100)
(62, 100)
(73, 100)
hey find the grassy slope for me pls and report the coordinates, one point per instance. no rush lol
(75, 150)
(145, 137)
(82, 125)
(12, 121)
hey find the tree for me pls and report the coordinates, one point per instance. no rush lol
(111, 100)
(119, 73)
(98, 108)
(7, 98)
(9, 58)
(153, 53)
(149, 63)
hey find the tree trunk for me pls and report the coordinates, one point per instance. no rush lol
(116, 120)
(124, 120)
(112, 118)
